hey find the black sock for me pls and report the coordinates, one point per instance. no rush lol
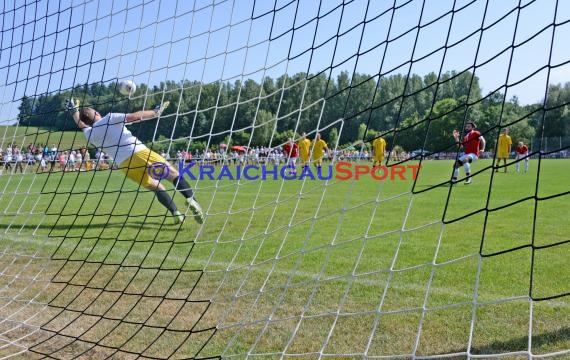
(183, 186)
(166, 200)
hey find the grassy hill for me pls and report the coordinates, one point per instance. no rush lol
(22, 135)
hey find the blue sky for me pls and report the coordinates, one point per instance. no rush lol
(51, 45)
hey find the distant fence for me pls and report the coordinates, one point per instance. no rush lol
(550, 144)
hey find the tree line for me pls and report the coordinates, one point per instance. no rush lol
(411, 112)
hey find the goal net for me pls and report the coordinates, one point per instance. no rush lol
(336, 259)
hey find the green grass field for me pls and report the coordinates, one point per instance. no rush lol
(338, 267)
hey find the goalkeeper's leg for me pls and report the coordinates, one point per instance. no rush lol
(184, 188)
(136, 170)
(166, 200)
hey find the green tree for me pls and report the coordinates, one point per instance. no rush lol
(281, 137)
(555, 121)
(422, 110)
(241, 138)
(496, 113)
(264, 127)
(333, 138)
(446, 116)
(25, 116)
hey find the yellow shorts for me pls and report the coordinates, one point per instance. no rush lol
(137, 167)
(317, 159)
(503, 154)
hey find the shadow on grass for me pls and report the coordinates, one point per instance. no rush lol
(544, 342)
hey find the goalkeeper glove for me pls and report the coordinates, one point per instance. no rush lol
(158, 109)
(72, 105)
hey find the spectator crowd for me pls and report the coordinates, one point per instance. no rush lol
(43, 158)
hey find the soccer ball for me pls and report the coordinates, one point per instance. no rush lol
(127, 87)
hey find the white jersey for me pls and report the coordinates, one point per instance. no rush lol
(111, 135)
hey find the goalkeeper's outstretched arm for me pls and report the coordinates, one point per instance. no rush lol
(146, 114)
(73, 107)
(85, 117)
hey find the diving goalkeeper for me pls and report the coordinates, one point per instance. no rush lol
(110, 134)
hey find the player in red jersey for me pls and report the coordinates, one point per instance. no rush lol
(291, 152)
(522, 153)
(473, 144)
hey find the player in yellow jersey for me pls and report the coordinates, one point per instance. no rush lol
(319, 148)
(378, 148)
(304, 145)
(503, 148)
